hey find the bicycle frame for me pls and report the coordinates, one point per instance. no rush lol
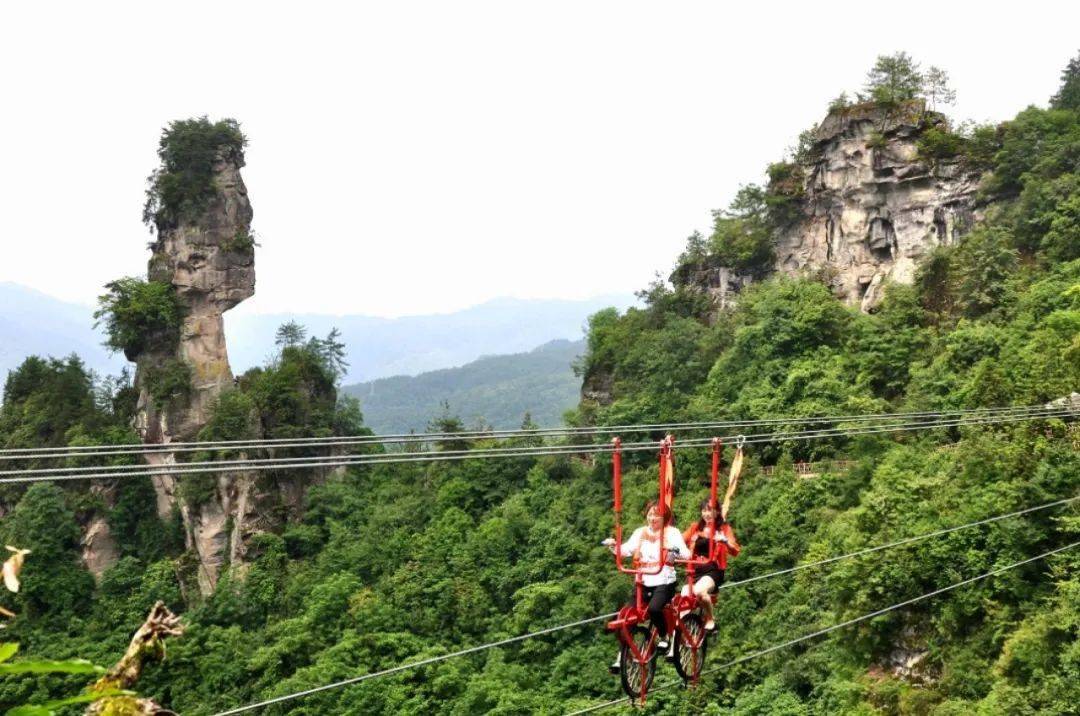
(631, 616)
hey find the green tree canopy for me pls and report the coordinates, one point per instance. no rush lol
(183, 185)
(1068, 95)
(139, 314)
(894, 79)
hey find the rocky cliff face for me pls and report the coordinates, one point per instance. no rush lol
(866, 208)
(210, 261)
(872, 208)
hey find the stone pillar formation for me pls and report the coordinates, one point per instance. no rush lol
(209, 258)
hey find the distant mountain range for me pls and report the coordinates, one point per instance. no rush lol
(495, 390)
(33, 323)
(383, 347)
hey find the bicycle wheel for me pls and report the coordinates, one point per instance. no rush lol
(690, 647)
(637, 678)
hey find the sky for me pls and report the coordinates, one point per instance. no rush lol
(415, 157)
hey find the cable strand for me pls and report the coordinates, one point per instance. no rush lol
(420, 438)
(550, 630)
(841, 625)
(227, 466)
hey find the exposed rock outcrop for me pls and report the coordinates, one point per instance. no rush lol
(598, 388)
(872, 208)
(721, 283)
(99, 550)
(864, 209)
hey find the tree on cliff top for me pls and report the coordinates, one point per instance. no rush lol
(1068, 96)
(894, 79)
(184, 183)
(936, 87)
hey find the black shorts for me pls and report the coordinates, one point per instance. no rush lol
(656, 597)
(714, 573)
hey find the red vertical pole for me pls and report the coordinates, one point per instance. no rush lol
(670, 497)
(661, 496)
(715, 472)
(715, 479)
(616, 479)
(663, 470)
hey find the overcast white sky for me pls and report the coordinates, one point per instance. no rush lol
(412, 157)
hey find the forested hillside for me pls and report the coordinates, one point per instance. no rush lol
(410, 345)
(494, 390)
(393, 563)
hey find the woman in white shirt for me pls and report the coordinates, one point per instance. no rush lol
(644, 546)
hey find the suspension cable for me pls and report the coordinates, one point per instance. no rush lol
(411, 665)
(841, 625)
(327, 461)
(726, 585)
(413, 438)
(518, 451)
(345, 460)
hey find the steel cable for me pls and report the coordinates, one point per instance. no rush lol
(835, 627)
(340, 441)
(87, 473)
(571, 625)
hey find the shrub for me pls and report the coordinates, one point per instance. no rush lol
(184, 183)
(199, 489)
(784, 193)
(1048, 217)
(839, 104)
(938, 143)
(43, 521)
(168, 381)
(985, 260)
(243, 242)
(138, 315)
(741, 244)
(1036, 144)
(233, 418)
(983, 142)
(134, 522)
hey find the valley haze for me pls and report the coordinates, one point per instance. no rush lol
(35, 323)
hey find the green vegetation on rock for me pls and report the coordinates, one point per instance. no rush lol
(182, 187)
(168, 381)
(139, 315)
